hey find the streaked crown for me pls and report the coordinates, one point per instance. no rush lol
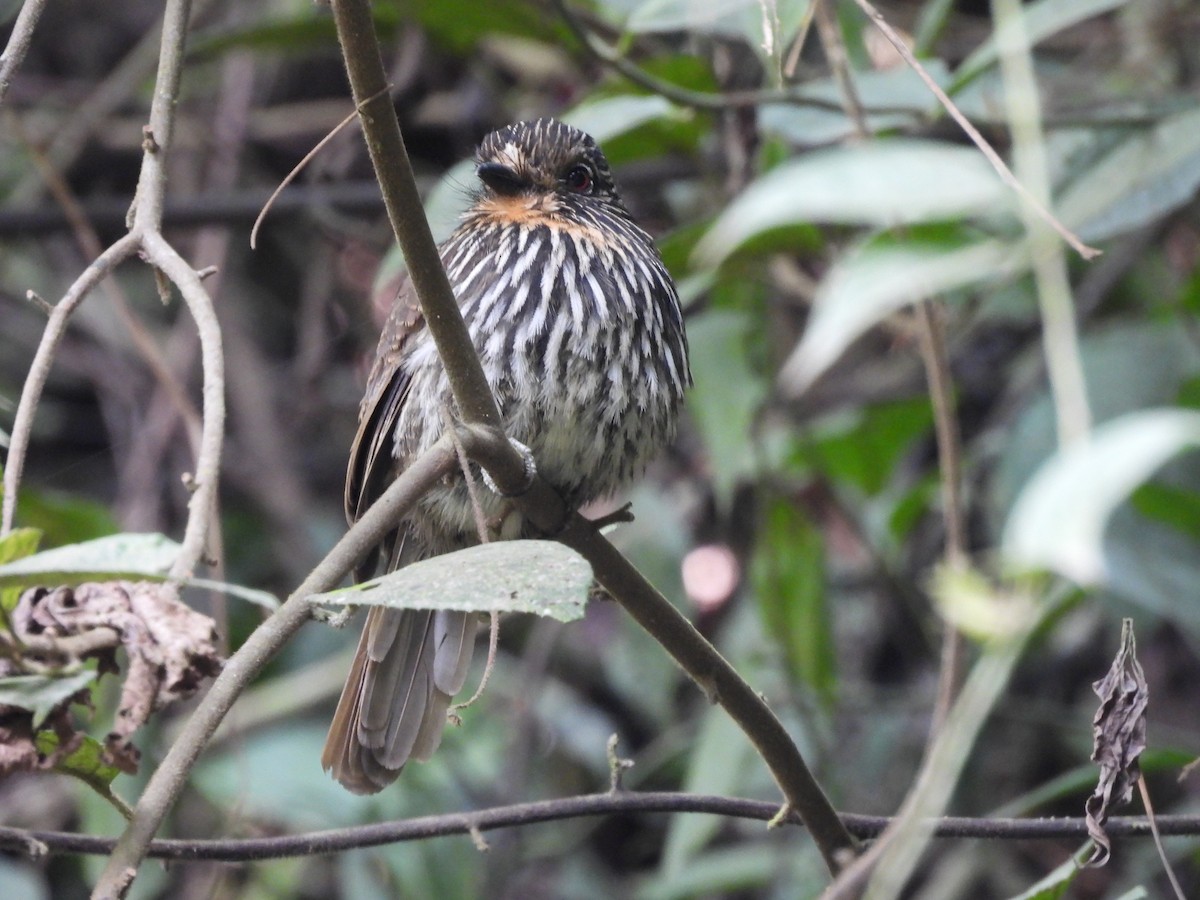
(544, 156)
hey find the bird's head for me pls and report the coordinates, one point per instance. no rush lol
(544, 161)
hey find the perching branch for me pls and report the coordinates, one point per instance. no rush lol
(540, 504)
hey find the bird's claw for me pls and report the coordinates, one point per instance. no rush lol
(529, 475)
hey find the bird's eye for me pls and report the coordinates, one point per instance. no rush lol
(579, 179)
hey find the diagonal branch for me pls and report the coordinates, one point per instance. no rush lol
(18, 42)
(541, 504)
(39, 369)
(264, 642)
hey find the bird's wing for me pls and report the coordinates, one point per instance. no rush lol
(372, 454)
(373, 463)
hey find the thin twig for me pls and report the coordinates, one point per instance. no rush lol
(18, 42)
(39, 369)
(973, 133)
(793, 56)
(208, 460)
(481, 528)
(839, 63)
(1158, 844)
(90, 245)
(296, 170)
(936, 359)
(450, 427)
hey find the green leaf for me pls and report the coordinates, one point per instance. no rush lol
(540, 577)
(726, 396)
(899, 90)
(717, 765)
(876, 278)
(1058, 520)
(85, 762)
(612, 117)
(41, 694)
(788, 574)
(863, 446)
(1171, 505)
(265, 599)
(117, 556)
(1150, 172)
(139, 557)
(1039, 21)
(1055, 884)
(885, 183)
(19, 543)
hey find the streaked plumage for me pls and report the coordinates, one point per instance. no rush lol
(579, 332)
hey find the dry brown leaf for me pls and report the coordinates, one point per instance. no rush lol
(170, 649)
(1119, 734)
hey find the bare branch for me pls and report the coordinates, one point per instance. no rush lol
(525, 814)
(39, 369)
(18, 42)
(208, 459)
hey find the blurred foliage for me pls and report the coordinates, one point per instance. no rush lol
(809, 452)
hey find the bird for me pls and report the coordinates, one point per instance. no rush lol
(578, 327)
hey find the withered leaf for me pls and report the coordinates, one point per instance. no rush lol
(1119, 735)
(170, 649)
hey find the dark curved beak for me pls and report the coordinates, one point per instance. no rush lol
(501, 179)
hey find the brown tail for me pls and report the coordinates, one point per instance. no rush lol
(408, 666)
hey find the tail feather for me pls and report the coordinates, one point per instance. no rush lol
(409, 665)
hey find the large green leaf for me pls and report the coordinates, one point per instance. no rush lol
(540, 577)
(884, 183)
(116, 556)
(1058, 521)
(134, 557)
(1041, 19)
(873, 280)
(1148, 173)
